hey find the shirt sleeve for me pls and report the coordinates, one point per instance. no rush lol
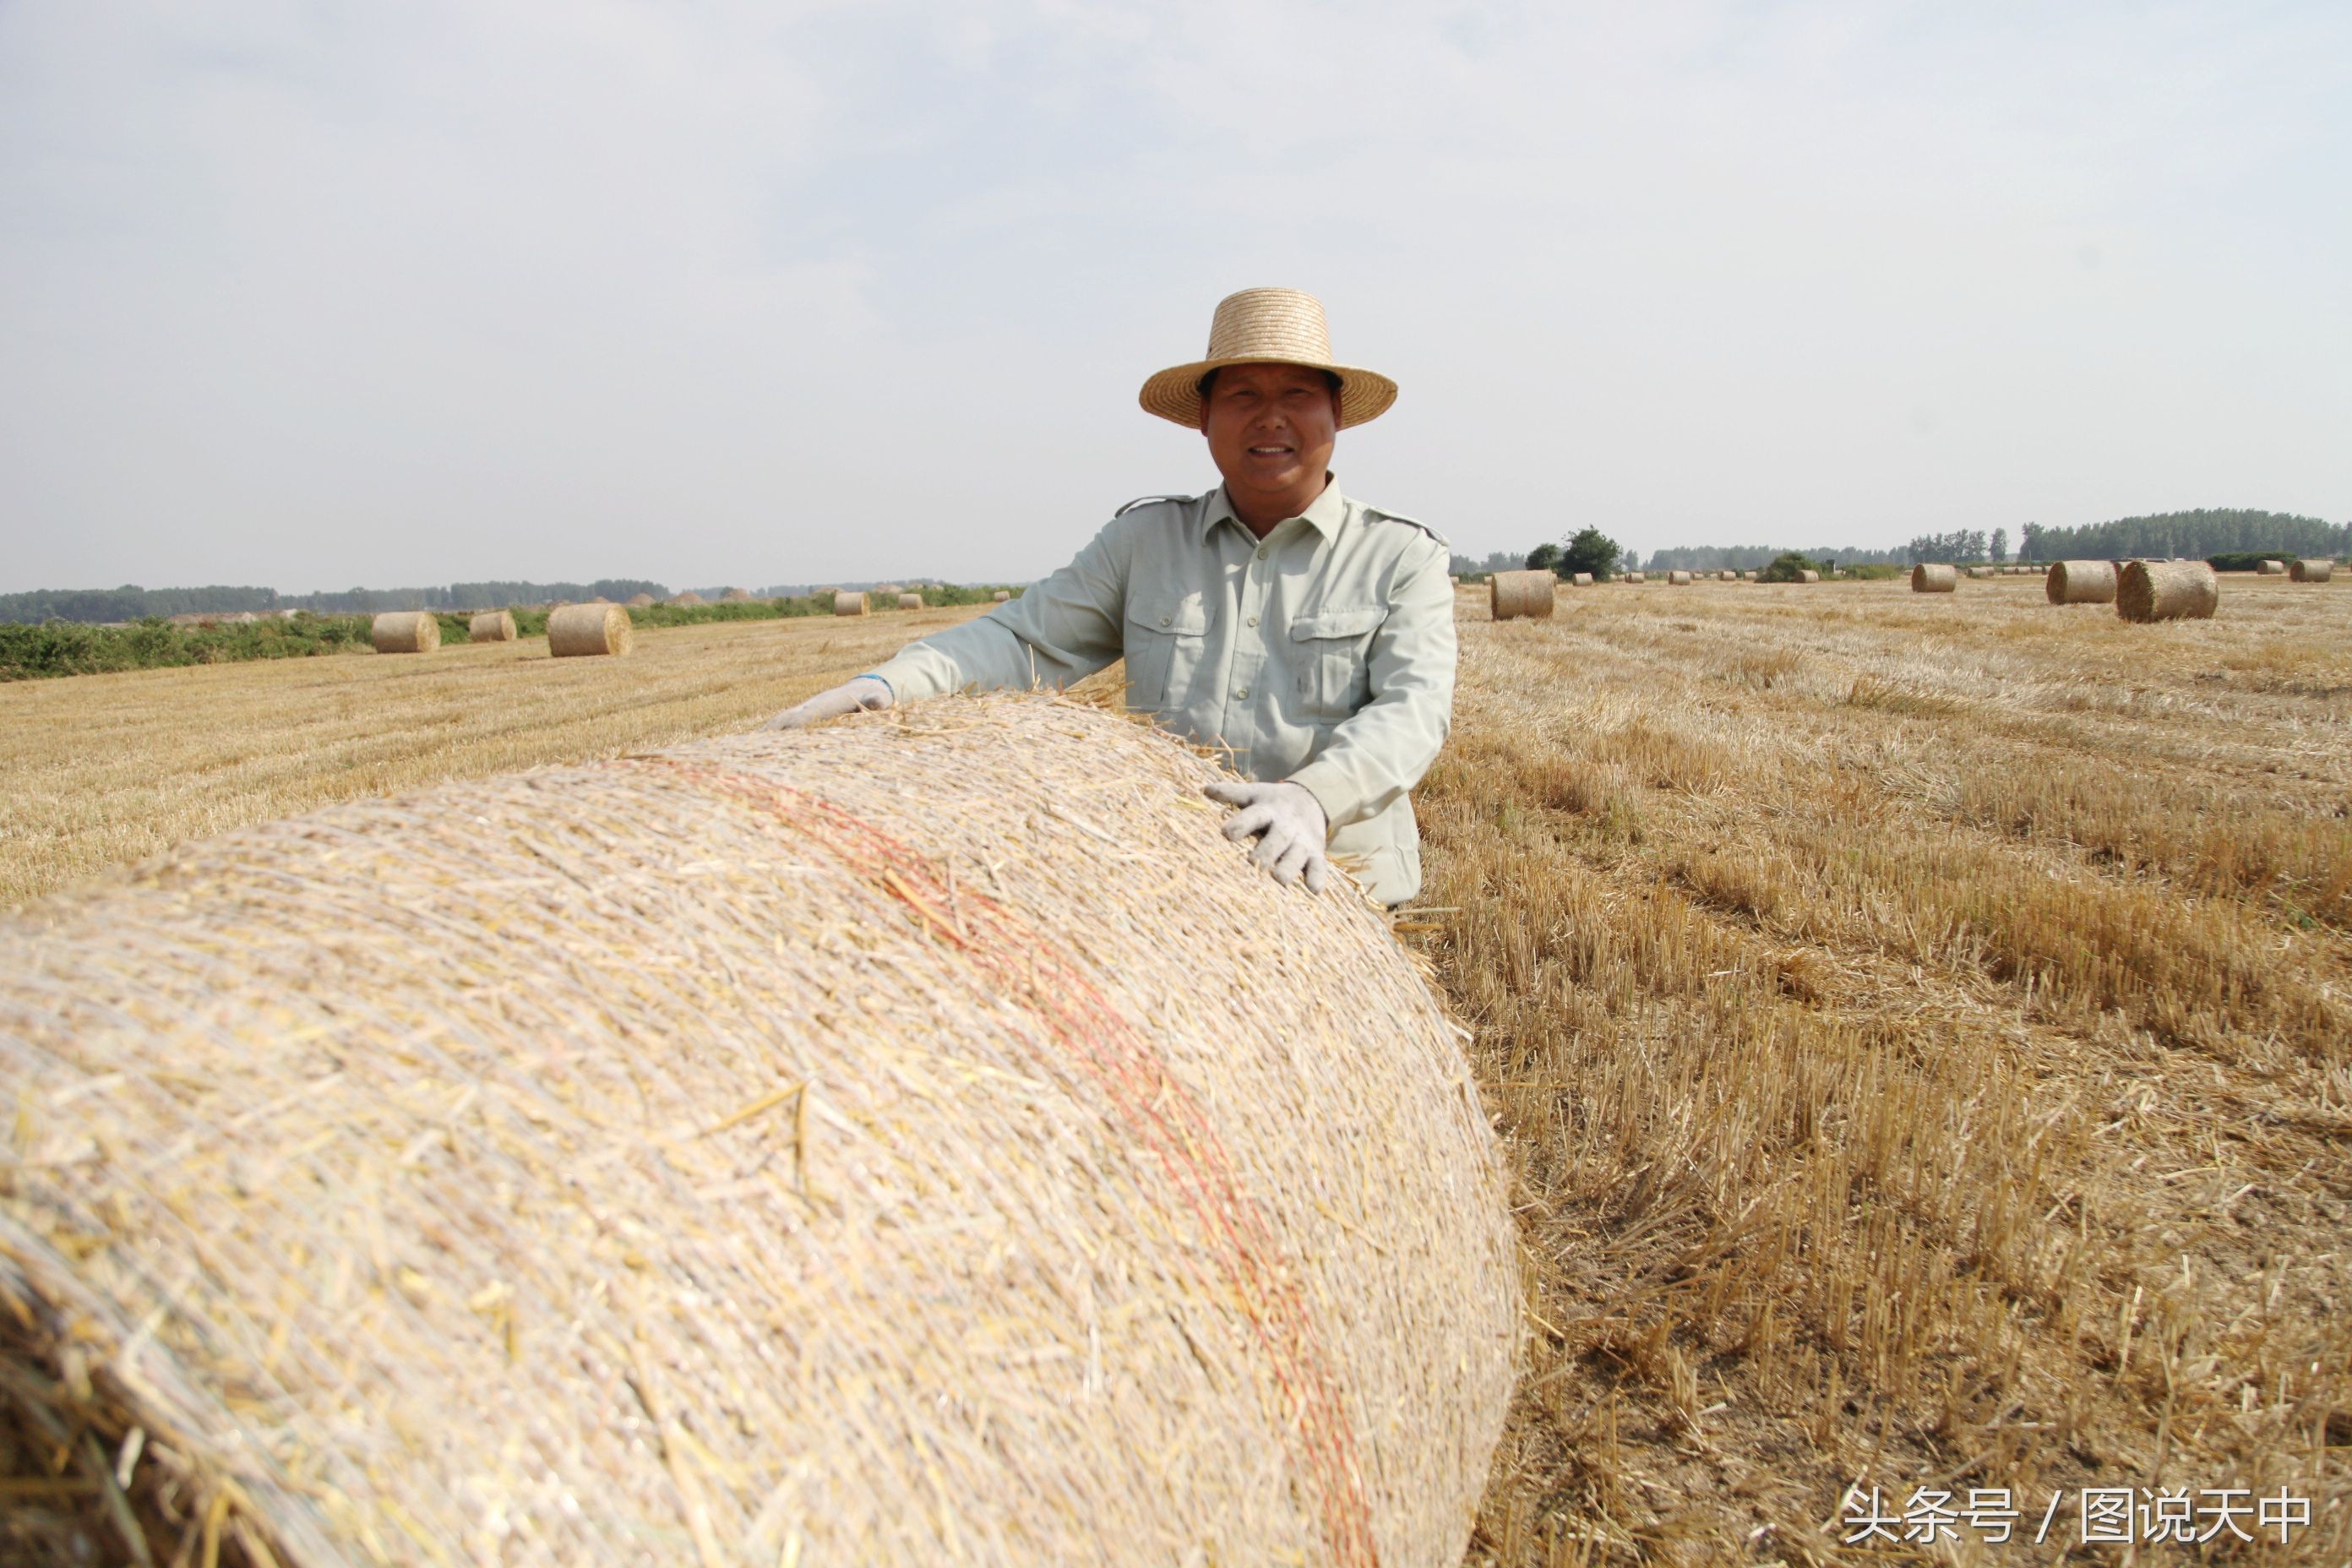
(1377, 755)
(1058, 632)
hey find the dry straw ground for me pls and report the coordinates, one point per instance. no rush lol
(1923, 1026)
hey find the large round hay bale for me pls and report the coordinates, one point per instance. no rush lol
(2312, 571)
(1934, 579)
(2167, 591)
(1582, 579)
(1679, 579)
(577, 630)
(2270, 569)
(910, 601)
(1807, 575)
(850, 604)
(1637, 576)
(405, 631)
(1001, 596)
(2080, 583)
(1515, 595)
(813, 1153)
(491, 625)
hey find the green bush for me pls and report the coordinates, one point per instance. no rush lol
(2248, 560)
(1590, 550)
(1785, 567)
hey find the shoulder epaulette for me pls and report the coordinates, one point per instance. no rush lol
(1372, 511)
(1147, 501)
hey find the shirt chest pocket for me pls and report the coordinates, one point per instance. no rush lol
(1165, 638)
(1330, 649)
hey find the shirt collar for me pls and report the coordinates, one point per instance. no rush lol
(1325, 513)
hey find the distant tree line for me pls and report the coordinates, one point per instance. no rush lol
(2207, 532)
(132, 603)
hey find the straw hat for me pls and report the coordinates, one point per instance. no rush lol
(1261, 326)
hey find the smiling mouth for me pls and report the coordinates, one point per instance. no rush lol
(1270, 451)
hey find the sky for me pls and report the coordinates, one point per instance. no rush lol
(313, 295)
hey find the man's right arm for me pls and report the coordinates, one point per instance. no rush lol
(1058, 633)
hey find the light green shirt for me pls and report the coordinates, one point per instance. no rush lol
(1323, 655)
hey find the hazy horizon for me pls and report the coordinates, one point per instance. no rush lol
(397, 296)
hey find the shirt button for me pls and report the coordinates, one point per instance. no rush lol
(1261, 552)
(1165, 620)
(1240, 691)
(1253, 620)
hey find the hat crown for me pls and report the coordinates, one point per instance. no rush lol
(1284, 324)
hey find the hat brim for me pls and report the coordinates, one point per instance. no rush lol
(1174, 393)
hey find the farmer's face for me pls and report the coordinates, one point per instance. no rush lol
(1271, 429)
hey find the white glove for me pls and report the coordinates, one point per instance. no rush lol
(1290, 828)
(867, 691)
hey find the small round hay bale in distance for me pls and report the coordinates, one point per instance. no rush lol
(689, 598)
(1519, 596)
(736, 596)
(2271, 569)
(1001, 596)
(405, 631)
(1637, 576)
(492, 625)
(1749, 575)
(1679, 579)
(850, 604)
(640, 601)
(891, 588)
(1582, 579)
(578, 630)
(910, 601)
(2312, 571)
(2080, 583)
(1934, 579)
(1807, 575)
(2167, 591)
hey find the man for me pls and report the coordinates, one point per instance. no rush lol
(1307, 635)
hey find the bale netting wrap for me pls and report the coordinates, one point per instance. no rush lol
(2312, 571)
(577, 630)
(405, 631)
(1511, 596)
(491, 625)
(849, 605)
(2080, 583)
(2167, 591)
(815, 1153)
(1934, 579)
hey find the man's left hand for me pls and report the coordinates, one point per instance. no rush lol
(1289, 825)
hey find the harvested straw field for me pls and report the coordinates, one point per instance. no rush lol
(686, 1191)
(1920, 1042)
